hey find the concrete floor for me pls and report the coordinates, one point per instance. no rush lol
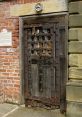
(11, 110)
(35, 112)
(6, 109)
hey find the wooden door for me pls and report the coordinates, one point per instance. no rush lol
(44, 61)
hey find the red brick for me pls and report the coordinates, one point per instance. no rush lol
(9, 61)
(2, 70)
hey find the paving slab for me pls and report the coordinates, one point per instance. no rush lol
(35, 112)
(6, 109)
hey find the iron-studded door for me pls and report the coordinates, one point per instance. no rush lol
(44, 63)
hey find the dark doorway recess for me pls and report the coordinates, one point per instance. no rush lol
(44, 52)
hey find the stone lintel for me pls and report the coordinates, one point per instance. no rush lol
(49, 6)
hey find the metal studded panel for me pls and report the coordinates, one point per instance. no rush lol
(40, 59)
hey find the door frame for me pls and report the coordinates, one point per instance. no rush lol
(21, 20)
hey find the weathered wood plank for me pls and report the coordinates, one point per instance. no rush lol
(35, 80)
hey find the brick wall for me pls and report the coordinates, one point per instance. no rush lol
(10, 56)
